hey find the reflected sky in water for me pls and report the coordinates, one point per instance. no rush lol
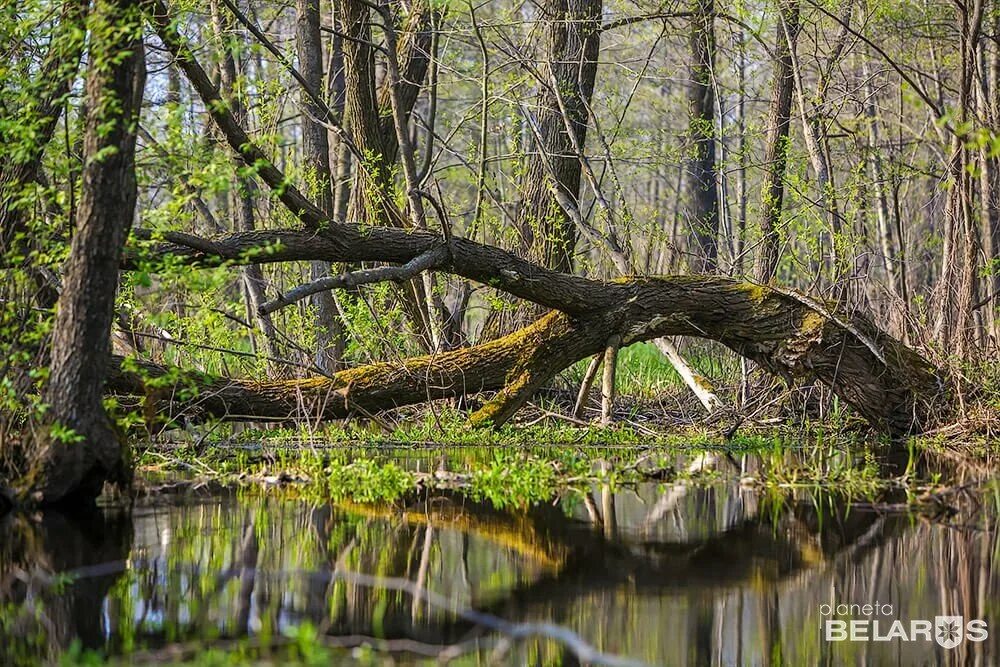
(662, 573)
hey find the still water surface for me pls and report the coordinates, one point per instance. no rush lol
(659, 573)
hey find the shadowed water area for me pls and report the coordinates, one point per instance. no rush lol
(658, 573)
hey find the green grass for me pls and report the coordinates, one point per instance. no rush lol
(643, 372)
(448, 427)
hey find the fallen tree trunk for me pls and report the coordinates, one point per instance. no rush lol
(787, 334)
(891, 386)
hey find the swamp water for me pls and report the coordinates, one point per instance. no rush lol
(655, 572)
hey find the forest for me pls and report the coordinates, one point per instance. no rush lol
(251, 245)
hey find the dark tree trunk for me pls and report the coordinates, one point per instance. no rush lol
(776, 148)
(703, 213)
(79, 450)
(414, 52)
(892, 386)
(372, 189)
(372, 183)
(573, 40)
(548, 234)
(787, 334)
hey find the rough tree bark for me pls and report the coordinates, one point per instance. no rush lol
(776, 146)
(79, 450)
(703, 211)
(573, 41)
(955, 327)
(788, 334)
(785, 333)
(368, 115)
(568, 71)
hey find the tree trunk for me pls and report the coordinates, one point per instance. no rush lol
(316, 162)
(572, 29)
(814, 131)
(959, 253)
(887, 243)
(990, 217)
(890, 385)
(548, 233)
(704, 206)
(377, 147)
(776, 148)
(79, 450)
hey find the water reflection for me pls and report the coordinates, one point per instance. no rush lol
(666, 574)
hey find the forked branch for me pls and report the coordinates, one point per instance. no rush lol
(433, 258)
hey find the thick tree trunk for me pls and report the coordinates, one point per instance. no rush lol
(372, 183)
(548, 233)
(787, 334)
(79, 450)
(776, 147)
(375, 139)
(573, 37)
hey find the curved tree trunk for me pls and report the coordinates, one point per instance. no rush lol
(889, 384)
(79, 450)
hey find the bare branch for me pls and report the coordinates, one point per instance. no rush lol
(429, 260)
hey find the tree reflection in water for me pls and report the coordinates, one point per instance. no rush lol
(663, 574)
